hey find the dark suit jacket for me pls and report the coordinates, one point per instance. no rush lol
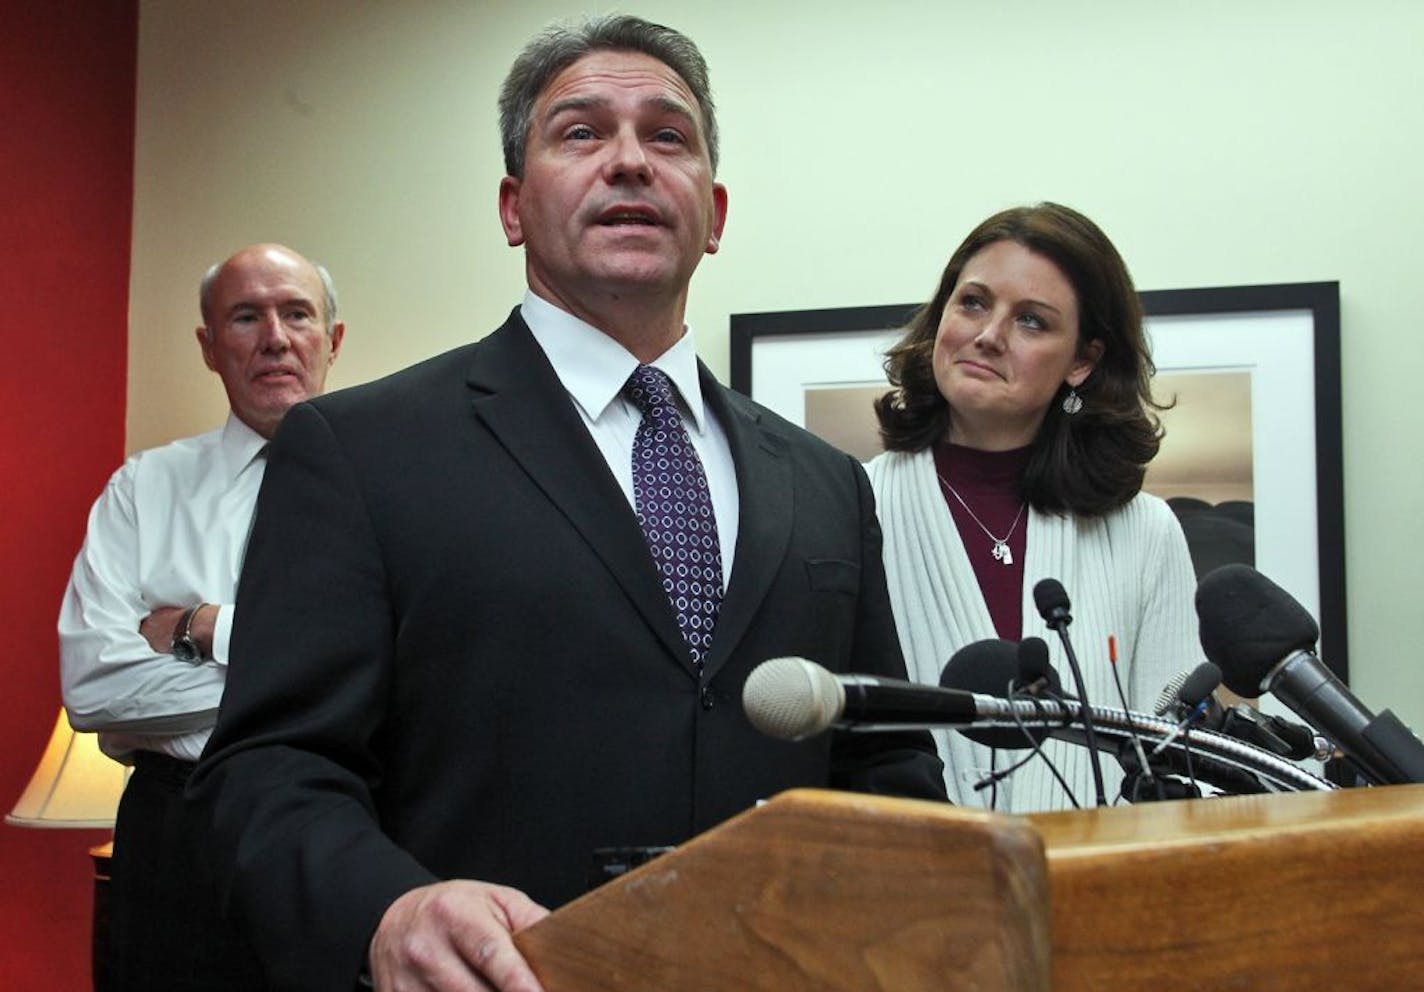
(453, 656)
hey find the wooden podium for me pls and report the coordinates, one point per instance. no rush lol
(844, 893)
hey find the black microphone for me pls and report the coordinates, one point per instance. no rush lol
(1192, 702)
(1172, 700)
(792, 699)
(1245, 723)
(1002, 668)
(1272, 733)
(1187, 698)
(1264, 641)
(1052, 601)
(1036, 674)
(1195, 691)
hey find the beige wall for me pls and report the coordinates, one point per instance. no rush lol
(1218, 143)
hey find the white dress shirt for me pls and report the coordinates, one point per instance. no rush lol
(594, 369)
(170, 529)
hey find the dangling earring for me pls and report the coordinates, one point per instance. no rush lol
(1072, 403)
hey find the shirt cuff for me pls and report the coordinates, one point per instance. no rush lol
(222, 632)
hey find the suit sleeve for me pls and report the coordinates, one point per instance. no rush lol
(286, 781)
(895, 764)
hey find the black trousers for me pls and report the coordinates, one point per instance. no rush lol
(166, 933)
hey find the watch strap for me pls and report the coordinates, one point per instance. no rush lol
(184, 646)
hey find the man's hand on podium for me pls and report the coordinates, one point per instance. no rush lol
(454, 936)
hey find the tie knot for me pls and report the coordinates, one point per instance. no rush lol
(649, 389)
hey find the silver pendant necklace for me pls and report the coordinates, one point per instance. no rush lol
(1001, 550)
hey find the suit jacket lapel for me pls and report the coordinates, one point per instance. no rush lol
(518, 396)
(765, 500)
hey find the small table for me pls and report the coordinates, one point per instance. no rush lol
(100, 949)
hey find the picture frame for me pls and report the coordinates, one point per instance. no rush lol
(1275, 349)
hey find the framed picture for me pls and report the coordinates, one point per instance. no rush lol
(1252, 458)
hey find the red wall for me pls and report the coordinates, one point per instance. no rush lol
(67, 79)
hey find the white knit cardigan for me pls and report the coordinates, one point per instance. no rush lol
(1127, 573)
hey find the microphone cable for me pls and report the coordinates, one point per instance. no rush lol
(1053, 606)
(1190, 695)
(1016, 694)
(1145, 776)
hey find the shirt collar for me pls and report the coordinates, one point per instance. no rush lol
(240, 446)
(594, 368)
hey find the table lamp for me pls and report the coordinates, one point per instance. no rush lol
(75, 785)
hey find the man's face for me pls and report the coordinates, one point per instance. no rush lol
(268, 340)
(617, 198)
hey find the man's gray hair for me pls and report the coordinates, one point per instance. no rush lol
(328, 293)
(561, 45)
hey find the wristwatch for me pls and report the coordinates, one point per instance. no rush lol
(185, 648)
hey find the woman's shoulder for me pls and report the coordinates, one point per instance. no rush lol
(891, 463)
(1146, 502)
(1144, 513)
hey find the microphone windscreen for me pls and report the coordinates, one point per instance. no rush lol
(792, 698)
(1248, 625)
(1050, 597)
(989, 668)
(1035, 666)
(1199, 684)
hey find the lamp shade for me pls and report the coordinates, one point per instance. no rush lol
(75, 785)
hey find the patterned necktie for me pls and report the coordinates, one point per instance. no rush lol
(675, 509)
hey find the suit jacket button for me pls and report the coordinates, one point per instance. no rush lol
(709, 698)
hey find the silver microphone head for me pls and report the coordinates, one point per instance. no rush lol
(792, 698)
(1167, 698)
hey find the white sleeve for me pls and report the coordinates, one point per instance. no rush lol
(222, 633)
(1167, 632)
(112, 679)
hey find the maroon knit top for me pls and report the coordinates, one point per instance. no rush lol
(991, 482)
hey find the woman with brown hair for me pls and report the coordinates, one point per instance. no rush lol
(1017, 435)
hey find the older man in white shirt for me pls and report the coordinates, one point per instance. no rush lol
(145, 622)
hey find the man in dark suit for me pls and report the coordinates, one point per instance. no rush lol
(471, 644)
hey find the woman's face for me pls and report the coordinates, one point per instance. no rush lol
(1008, 339)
